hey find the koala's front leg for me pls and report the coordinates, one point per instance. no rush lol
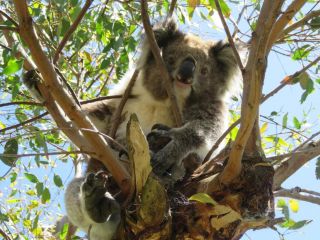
(98, 202)
(167, 162)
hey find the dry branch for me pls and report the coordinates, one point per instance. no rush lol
(95, 143)
(299, 23)
(70, 31)
(226, 29)
(116, 117)
(156, 54)
(283, 21)
(295, 162)
(253, 81)
(296, 193)
(25, 122)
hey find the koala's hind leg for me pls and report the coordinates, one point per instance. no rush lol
(98, 201)
(91, 208)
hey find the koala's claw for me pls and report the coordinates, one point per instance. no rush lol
(159, 137)
(98, 202)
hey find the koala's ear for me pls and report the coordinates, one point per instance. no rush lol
(166, 32)
(223, 53)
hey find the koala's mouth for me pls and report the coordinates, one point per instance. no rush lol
(183, 83)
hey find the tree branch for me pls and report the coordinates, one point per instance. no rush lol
(116, 117)
(296, 193)
(9, 18)
(295, 162)
(70, 31)
(283, 21)
(253, 81)
(20, 103)
(9, 28)
(4, 235)
(156, 54)
(299, 23)
(95, 143)
(44, 154)
(25, 122)
(230, 40)
(172, 7)
(288, 79)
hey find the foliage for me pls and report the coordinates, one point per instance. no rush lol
(96, 56)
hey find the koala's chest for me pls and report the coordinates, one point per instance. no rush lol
(149, 112)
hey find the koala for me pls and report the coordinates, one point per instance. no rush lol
(203, 75)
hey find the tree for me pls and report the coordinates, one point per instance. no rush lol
(88, 44)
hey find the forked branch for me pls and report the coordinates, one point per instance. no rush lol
(96, 143)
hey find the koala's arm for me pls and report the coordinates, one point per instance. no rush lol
(204, 125)
(89, 205)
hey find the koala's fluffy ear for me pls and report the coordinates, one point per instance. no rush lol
(224, 56)
(165, 32)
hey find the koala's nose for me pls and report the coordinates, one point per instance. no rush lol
(186, 70)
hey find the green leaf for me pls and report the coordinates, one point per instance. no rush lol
(318, 168)
(301, 52)
(296, 123)
(13, 66)
(283, 205)
(20, 115)
(57, 180)
(203, 198)
(299, 224)
(285, 121)
(45, 196)
(226, 11)
(31, 177)
(65, 25)
(64, 231)
(11, 147)
(39, 188)
(315, 23)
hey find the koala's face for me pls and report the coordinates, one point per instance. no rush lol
(204, 67)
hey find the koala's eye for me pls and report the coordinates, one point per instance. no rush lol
(204, 71)
(170, 60)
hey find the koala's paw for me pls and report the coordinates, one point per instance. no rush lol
(159, 137)
(31, 79)
(98, 201)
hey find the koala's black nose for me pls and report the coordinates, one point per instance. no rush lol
(186, 70)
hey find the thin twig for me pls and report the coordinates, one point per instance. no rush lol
(9, 28)
(116, 117)
(10, 19)
(226, 29)
(20, 103)
(299, 23)
(43, 154)
(171, 9)
(101, 99)
(288, 80)
(70, 31)
(4, 235)
(25, 122)
(221, 138)
(156, 54)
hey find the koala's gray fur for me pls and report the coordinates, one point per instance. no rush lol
(203, 74)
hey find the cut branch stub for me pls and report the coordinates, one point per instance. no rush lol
(139, 155)
(150, 218)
